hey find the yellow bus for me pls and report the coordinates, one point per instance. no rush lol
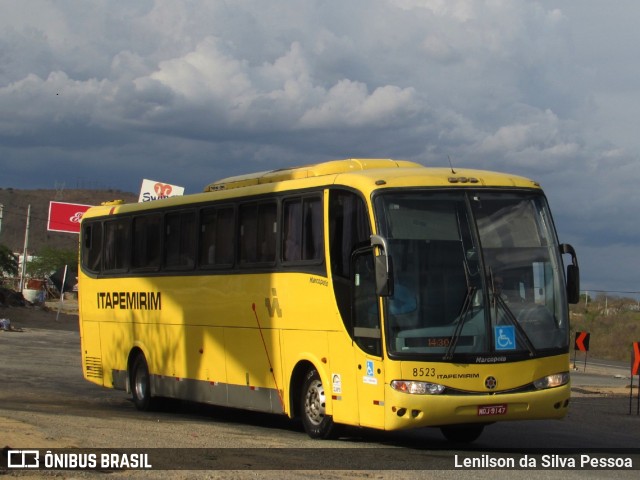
(365, 292)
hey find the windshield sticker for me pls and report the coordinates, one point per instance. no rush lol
(505, 337)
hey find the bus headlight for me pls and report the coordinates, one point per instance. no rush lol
(417, 388)
(551, 381)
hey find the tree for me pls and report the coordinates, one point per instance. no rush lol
(8, 262)
(51, 259)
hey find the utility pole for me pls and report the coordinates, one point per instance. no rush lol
(23, 272)
(1, 211)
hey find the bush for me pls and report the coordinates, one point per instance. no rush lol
(8, 262)
(49, 260)
(613, 323)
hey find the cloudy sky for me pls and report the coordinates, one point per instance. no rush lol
(104, 93)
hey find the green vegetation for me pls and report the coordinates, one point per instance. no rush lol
(613, 322)
(8, 262)
(48, 260)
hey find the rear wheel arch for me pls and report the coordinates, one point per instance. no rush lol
(295, 386)
(139, 380)
(135, 351)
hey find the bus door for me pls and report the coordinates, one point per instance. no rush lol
(367, 336)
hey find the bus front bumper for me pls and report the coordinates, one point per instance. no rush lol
(404, 411)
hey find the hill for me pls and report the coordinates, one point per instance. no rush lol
(14, 218)
(612, 322)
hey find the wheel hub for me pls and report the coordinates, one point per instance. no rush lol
(315, 403)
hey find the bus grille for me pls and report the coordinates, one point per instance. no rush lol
(94, 367)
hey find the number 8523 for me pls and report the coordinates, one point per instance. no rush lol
(424, 372)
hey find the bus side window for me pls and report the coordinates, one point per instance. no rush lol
(312, 232)
(117, 247)
(217, 226)
(92, 246)
(348, 227)
(302, 230)
(146, 242)
(267, 231)
(366, 317)
(258, 230)
(292, 230)
(248, 218)
(180, 240)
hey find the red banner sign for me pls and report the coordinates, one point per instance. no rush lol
(65, 217)
(635, 365)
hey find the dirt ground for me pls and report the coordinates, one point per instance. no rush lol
(50, 422)
(52, 316)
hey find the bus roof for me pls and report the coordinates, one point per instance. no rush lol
(316, 170)
(365, 175)
(375, 173)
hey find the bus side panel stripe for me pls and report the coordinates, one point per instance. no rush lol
(217, 393)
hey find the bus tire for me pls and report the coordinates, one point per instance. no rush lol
(316, 422)
(141, 384)
(462, 433)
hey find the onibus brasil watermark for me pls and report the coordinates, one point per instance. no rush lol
(385, 458)
(33, 459)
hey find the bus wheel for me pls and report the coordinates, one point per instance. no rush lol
(141, 383)
(462, 433)
(316, 422)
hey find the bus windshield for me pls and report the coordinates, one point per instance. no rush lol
(476, 274)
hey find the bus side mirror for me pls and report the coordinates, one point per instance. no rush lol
(384, 277)
(573, 274)
(383, 268)
(573, 284)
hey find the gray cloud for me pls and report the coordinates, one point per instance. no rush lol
(189, 92)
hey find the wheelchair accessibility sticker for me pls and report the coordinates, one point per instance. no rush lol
(369, 368)
(505, 337)
(370, 378)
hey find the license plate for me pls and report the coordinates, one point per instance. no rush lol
(487, 410)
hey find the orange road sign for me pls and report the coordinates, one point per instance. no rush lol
(635, 369)
(582, 341)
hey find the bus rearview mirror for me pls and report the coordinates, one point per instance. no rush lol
(384, 280)
(573, 284)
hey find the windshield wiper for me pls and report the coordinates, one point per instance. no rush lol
(464, 314)
(466, 306)
(499, 302)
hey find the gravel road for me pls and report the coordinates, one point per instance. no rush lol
(46, 404)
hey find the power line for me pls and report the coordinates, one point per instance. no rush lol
(610, 291)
